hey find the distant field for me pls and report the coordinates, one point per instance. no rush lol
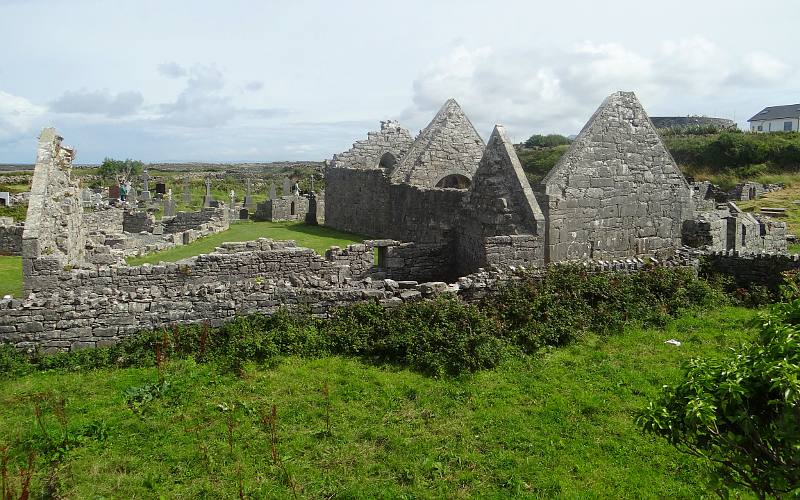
(318, 238)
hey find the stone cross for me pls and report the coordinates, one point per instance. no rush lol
(248, 196)
(207, 199)
(312, 183)
(208, 186)
(273, 193)
(145, 194)
(287, 187)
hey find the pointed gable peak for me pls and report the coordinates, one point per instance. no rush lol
(500, 190)
(448, 145)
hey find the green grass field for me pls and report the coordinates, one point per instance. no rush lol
(10, 276)
(561, 423)
(318, 238)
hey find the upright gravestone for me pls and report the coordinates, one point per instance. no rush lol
(207, 199)
(145, 194)
(169, 205)
(287, 187)
(5, 199)
(232, 206)
(132, 196)
(113, 192)
(248, 195)
(187, 194)
(273, 193)
(161, 188)
(244, 214)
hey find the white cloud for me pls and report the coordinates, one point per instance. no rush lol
(558, 90)
(171, 70)
(18, 117)
(98, 102)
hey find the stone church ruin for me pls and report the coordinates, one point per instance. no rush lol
(444, 211)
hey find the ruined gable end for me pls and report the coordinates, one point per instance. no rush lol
(380, 150)
(617, 192)
(445, 154)
(501, 197)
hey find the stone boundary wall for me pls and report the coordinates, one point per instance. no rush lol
(751, 269)
(10, 237)
(137, 222)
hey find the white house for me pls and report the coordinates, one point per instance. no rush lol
(777, 119)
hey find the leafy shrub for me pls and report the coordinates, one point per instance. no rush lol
(741, 412)
(546, 141)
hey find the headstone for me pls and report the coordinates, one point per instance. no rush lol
(214, 204)
(113, 192)
(169, 208)
(244, 214)
(208, 199)
(86, 197)
(232, 206)
(287, 187)
(5, 199)
(161, 188)
(273, 193)
(187, 194)
(248, 195)
(145, 194)
(132, 196)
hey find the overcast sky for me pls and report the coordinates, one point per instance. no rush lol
(205, 80)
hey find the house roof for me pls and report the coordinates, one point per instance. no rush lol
(777, 112)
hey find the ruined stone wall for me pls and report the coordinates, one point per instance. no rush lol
(367, 154)
(104, 220)
(751, 269)
(366, 202)
(137, 222)
(183, 221)
(55, 233)
(617, 191)
(10, 237)
(746, 191)
(744, 232)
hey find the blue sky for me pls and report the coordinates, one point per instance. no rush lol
(269, 81)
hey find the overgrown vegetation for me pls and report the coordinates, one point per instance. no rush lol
(546, 141)
(741, 412)
(557, 423)
(441, 337)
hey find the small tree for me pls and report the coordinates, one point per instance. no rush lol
(546, 141)
(111, 168)
(741, 412)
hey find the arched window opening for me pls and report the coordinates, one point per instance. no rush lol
(454, 181)
(388, 161)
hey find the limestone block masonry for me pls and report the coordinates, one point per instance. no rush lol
(617, 191)
(55, 233)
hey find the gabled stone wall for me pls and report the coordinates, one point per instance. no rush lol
(617, 191)
(367, 154)
(448, 146)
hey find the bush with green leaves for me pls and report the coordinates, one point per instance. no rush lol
(741, 413)
(111, 168)
(546, 141)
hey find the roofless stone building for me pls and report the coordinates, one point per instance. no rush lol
(616, 193)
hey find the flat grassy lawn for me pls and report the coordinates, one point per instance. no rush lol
(318, 238)
(561, 423)
(10, 276)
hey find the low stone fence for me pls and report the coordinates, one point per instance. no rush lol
(183, 221)
(751, 269)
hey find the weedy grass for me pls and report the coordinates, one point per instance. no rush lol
(559, 422)
(318, 238)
